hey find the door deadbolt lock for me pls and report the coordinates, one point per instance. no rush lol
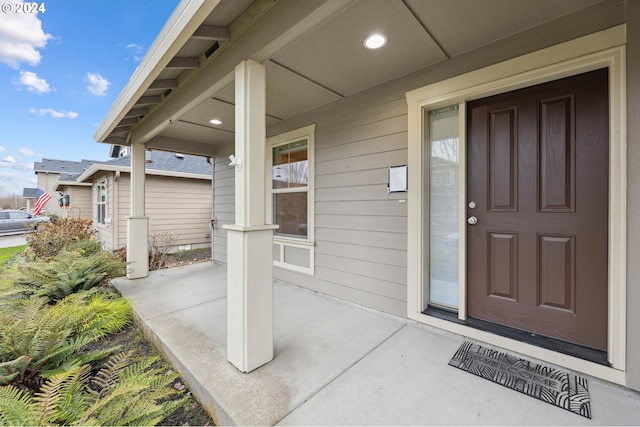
(472, 220)
(472, 205)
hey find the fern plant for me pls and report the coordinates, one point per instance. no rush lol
(67, 273)
(123, 392)
(40, 339)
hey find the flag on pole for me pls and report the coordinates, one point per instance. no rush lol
(42, 199)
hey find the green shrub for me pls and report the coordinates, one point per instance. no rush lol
(122, 393)
(56, 236)
(67, 273)
(39, 339)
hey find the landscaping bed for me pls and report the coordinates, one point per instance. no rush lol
(69, 351)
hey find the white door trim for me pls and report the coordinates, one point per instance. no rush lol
(598, 50)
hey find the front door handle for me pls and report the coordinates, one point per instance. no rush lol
(472, 220)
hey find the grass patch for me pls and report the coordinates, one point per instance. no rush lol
(6, 254)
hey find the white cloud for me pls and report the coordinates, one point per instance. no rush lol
(21, 37)
(98, 85)
(14, 182)
(54, 113)
(33, 82)
(10, 162)
(136, 50)
(26, 152)
(2, 149)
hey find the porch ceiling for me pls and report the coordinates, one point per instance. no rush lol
(313, 53)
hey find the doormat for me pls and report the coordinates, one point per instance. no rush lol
(557, 387)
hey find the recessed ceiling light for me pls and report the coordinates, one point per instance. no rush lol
(215, 122)
(375, 41)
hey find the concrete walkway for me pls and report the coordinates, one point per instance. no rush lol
(12, 240)
(335, 363)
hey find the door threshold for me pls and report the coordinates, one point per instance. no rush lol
(571, 349)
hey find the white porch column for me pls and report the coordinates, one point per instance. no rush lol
(250, 241)
(137, 222)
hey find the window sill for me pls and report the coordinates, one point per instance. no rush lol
(293, 241)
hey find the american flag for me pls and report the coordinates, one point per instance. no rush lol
(42, 199)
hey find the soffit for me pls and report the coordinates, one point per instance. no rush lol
(463, 25)
(328, 61)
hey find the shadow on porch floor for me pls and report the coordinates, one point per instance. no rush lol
(335, 363)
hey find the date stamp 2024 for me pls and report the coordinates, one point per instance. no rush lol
(23, 8)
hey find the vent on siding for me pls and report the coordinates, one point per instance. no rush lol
(179, 156)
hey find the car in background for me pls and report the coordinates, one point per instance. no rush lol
(17, 222)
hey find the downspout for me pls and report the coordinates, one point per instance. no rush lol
(115, 219)
(214, 221)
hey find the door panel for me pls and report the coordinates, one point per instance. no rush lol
(503, 160)
(538, 173)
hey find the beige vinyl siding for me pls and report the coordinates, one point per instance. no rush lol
(633, 179)
(179, 208)
(360, 230)
(361, 236)
(80, 202)
(223, 201)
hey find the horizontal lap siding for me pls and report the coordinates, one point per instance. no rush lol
(361, 236)
(360, 230)
(223, 200)
(179, 209)
(80, 202)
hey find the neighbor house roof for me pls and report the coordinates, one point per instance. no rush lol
(63, 166)
(157, 163)
(67, 179)
(29, 193)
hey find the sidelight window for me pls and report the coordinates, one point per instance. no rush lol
(443, 146)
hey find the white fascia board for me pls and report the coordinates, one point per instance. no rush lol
(92, 170)
(183, 22)
(60, 184)
(176, 174)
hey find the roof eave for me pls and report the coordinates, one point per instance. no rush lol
(94, 169)
(183, 22)
(61, 184)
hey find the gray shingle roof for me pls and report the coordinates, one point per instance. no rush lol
(29, 193)
(172, 162)
(68, 177)
(63, 166)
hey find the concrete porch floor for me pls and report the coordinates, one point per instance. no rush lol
(335, 363)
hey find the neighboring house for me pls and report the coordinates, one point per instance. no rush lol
(536, 212)
(29, 195)
(178, 199)
(76, 196)
(57, 177)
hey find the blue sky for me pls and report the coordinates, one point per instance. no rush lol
(61, 69)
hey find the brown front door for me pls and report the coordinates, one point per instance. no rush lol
(539, 177)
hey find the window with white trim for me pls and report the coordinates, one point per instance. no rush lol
(101, 202)
(290, 198)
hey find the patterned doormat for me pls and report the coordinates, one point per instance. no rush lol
(557, 387)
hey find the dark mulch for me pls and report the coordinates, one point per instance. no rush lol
(131, 338)
(177, 259)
